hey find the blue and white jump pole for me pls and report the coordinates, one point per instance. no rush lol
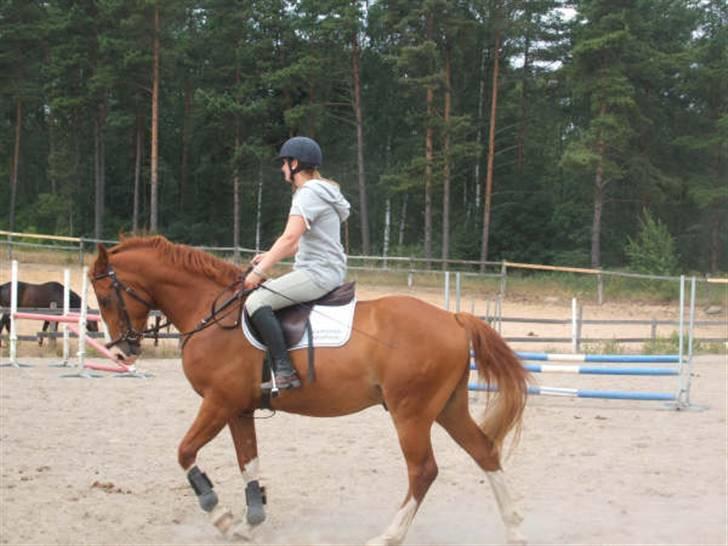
(571, 363)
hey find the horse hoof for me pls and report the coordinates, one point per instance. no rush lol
(222, 519)
(241, 532)
(382, 541)
(208, 500)
(255, 514)
(517, 539)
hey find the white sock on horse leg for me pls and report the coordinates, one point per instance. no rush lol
(397, 530)
(510, 516)
(251, 471)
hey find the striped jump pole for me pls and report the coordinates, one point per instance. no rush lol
(584, 393)
(581, 364)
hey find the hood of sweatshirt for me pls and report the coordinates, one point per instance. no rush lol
(331, 193)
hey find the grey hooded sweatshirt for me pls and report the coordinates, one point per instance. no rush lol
(320, 253)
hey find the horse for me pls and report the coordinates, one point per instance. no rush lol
(39, 296)
(405, 354)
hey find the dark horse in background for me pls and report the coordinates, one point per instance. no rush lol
(39, 296)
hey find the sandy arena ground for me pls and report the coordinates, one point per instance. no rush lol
(94, 461)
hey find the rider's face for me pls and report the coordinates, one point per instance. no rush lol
(286, 167)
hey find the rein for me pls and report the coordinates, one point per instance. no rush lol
(134, 337)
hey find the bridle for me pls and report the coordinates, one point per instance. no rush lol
(134, 337)
(130, 335)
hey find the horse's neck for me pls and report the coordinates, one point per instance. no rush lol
(184, 297)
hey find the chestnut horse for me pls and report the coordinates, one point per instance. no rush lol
(406, 354)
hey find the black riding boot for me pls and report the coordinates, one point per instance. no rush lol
(270, 330)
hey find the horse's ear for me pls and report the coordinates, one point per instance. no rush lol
(101, 265)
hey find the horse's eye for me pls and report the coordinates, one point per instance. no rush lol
(104, 302)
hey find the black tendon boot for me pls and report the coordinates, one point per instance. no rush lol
(270, 330)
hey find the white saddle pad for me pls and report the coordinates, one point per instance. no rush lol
(331, 327)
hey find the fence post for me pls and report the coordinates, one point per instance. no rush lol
(447, 290)
(457, 291)
(80, 251)
(653, 330)
(504, 275)
(574, 332)
(579, 324)
(600, 288)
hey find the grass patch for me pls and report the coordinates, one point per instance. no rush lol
(663, 345)
(610, 347)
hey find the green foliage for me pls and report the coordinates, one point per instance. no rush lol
(634, 90)
(653, 250)
(662, 345)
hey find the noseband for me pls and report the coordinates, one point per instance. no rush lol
(131, 336)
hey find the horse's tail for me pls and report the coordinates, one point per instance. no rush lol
(497, 366)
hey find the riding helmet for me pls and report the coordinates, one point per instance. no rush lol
(304, 149)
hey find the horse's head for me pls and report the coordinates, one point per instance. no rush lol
(124, 306)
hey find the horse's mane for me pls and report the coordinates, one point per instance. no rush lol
(183, 256)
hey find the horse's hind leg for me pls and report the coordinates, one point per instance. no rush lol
(414, 439)
(242, 428)
(456, 420)
(211, 418)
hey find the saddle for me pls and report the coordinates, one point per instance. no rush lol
(295, 322)
(295, 319)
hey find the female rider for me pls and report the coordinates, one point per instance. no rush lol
(313, 235)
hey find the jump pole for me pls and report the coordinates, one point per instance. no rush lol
(85, 372)
(119, 368)
(13, 312)
(66, 308)
(677, 370)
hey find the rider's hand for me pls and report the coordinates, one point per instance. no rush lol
(256, 259)
(252, 280)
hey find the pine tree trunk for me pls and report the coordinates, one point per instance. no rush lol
(16, 161)
(153, 179)
(599, 189)
(599, 185)
(184, 166)
(429, 95)
(480, 136)
(446, 166)
(139, 143)
(363, 205)
(715, 246)
(99, 180)
(236, 178)
(387, 228)
(259, 207)
(402, 221)
(525, 78)
(491, 154)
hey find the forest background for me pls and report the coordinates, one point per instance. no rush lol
(587, 132)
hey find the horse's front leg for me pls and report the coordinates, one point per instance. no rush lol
(40, 336)
(242, 428)
(211, 418)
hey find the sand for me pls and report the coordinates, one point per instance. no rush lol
(93, 461)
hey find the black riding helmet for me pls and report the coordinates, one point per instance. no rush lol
(305, 150)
